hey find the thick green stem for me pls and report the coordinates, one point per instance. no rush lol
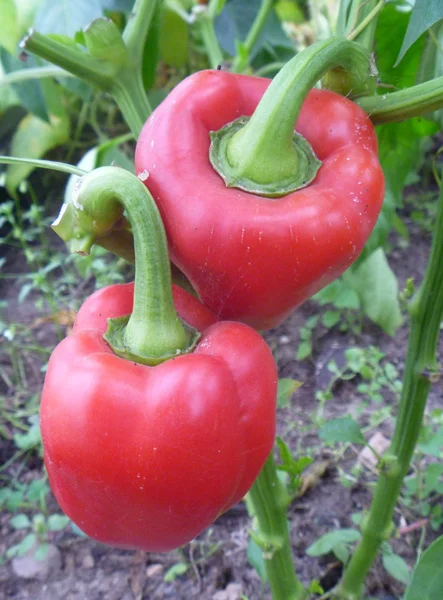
(268, 500)
(404, 104)
(262, 154)
(426, 311)
(132, 100)
(95, 72)
(153, 332)
(109, 64)
(137, 28)
(241, 60)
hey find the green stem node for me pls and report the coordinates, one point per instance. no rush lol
(263, 154)
(153, 332)
(268, 502)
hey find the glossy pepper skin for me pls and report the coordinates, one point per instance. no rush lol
(148, 457)
(251, 258)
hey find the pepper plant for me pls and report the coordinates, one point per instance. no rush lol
(258, 216)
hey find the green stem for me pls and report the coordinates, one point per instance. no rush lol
(43, 164)
(95, 72)
(355, 34)
(32, 73)
(153, 332)
(137, 28)
(268, 500)
(132, 100)
(213, 50)
(241, 60)
(120, 74)
(421, 369)
(404, 104)
(362, 22)
(264, 155)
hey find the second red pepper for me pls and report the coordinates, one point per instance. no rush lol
(252, 258)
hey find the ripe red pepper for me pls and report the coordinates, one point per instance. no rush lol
(252, 258)
(148, 457)
(150, 430)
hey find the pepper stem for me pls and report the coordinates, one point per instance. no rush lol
(262, 154)
(153, 332)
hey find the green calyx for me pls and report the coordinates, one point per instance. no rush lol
(262, 154)
(302, 164)
(120, 337)
(153, 332)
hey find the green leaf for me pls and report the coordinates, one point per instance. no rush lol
(33, 139)
(65, 16)
(175, 571)
(255, 559)
(104, 42)
(57, 522)
(427, 578)
(391, 28)
(151, 51)
(42, 551)
(304, 350)
(315, 587)
(8, 29)
(396, 567)
(23, 547)
(16, 18)
(286, 388)
(424, 14)
(174, 39)
(330, 318)
(29, 93)
(30, 439)
(341, 552)
(377, 287)
(331, 540)
(343, 429)
(20, 521)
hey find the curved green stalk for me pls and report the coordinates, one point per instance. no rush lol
(268, 501)
(153, 332)
(262, 154)
(421, 370)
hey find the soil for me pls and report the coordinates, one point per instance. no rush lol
(218, 568)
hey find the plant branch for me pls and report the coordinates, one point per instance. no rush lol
(137, 28)
(43, 164)
(421, 370)
(353, 35)
(404, 104)
(33, 73)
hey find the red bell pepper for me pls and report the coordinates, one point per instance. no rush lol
(148, 457)
(250, 257)
(150, 429)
